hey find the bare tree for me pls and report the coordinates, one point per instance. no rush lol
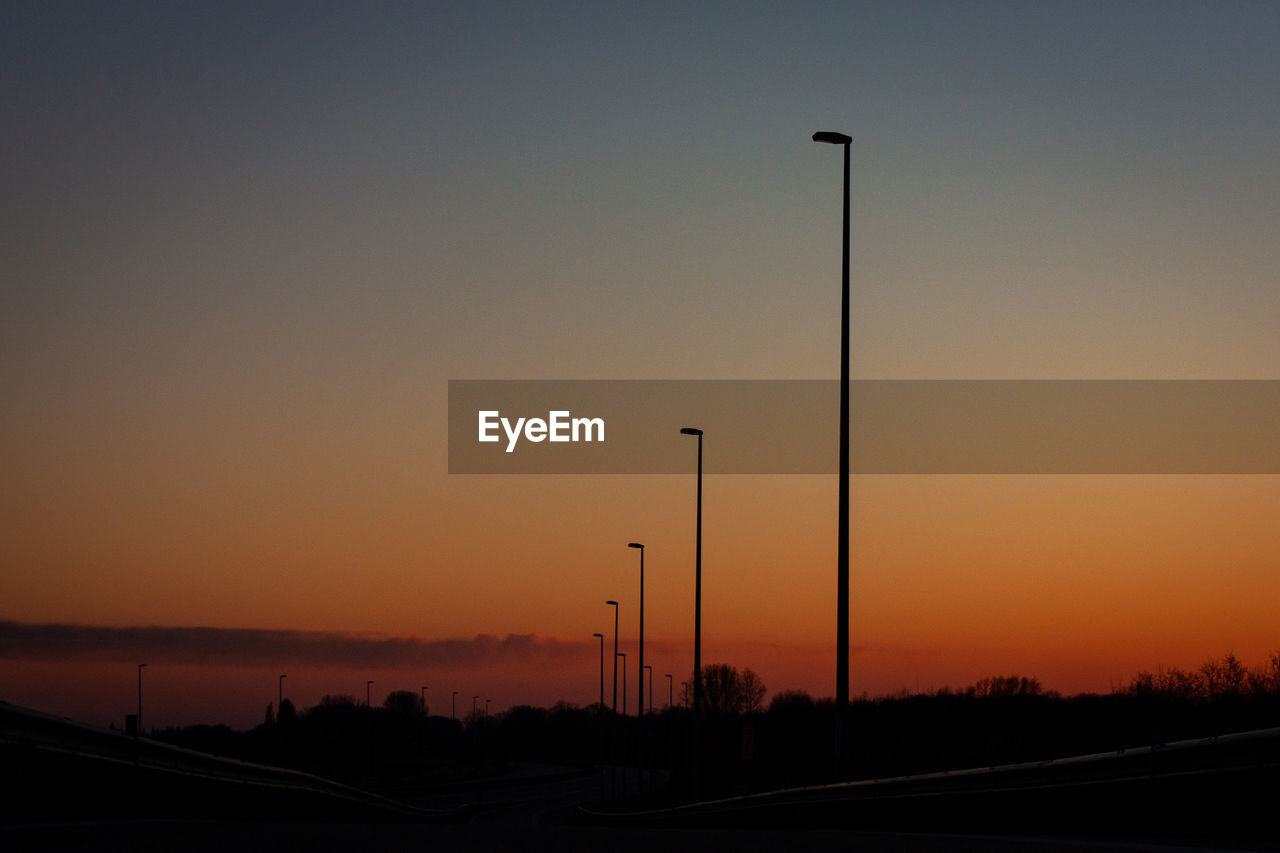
(725, 690)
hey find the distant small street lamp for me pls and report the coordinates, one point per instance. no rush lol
(601, 636)
(615, 657)
(140, 666)
(640, 662)
(623, 655)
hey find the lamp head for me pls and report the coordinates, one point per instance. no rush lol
(690, 431)
(601, 636)
(614, 603)
(635, 545)
(832, 137)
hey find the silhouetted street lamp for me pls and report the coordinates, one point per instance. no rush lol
(640, 664)
(670, 690)
(650, 669)
(623, 655)
(486, 706)
(601, 636)
(140, 666)
(842, 536)
(697, 589)
(615, 656)
(280, 694)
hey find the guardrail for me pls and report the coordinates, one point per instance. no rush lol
(56, 768)
(1191, 785)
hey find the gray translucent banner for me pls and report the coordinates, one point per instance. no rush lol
(897, 426)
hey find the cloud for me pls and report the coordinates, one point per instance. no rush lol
(263, 647)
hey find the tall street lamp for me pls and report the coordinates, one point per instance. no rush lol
(842, 511)
(640, 664)
(615, 657)
(140, 666)
(697, 589)
(601, 636)
(670, 689)
(650, 669)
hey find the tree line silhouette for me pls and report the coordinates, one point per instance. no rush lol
(744, 744)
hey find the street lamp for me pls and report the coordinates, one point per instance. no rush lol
(646, 666)
(842, 536)
(601, 636)
(486, 706)
(670, 689)
(140, 666)
(615, 658)
(623, 655)
(640, 665)
(697, 590)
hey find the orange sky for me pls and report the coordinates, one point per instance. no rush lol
(1080, 581)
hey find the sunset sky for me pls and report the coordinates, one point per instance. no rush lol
(244, 248)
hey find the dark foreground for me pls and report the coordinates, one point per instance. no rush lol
(200, 836)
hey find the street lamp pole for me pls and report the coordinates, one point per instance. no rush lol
(601, 636)
(842, 537)
(280, 695)
(615, 658)
(140, 666)
(640, 665)
(623, 655)
(670, 690)
(697, 589)
(646, 666)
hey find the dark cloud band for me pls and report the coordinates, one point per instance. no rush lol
(252, 647)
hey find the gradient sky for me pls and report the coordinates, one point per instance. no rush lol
(243, 248)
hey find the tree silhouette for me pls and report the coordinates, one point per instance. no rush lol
(404, 702)
(725, 690)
